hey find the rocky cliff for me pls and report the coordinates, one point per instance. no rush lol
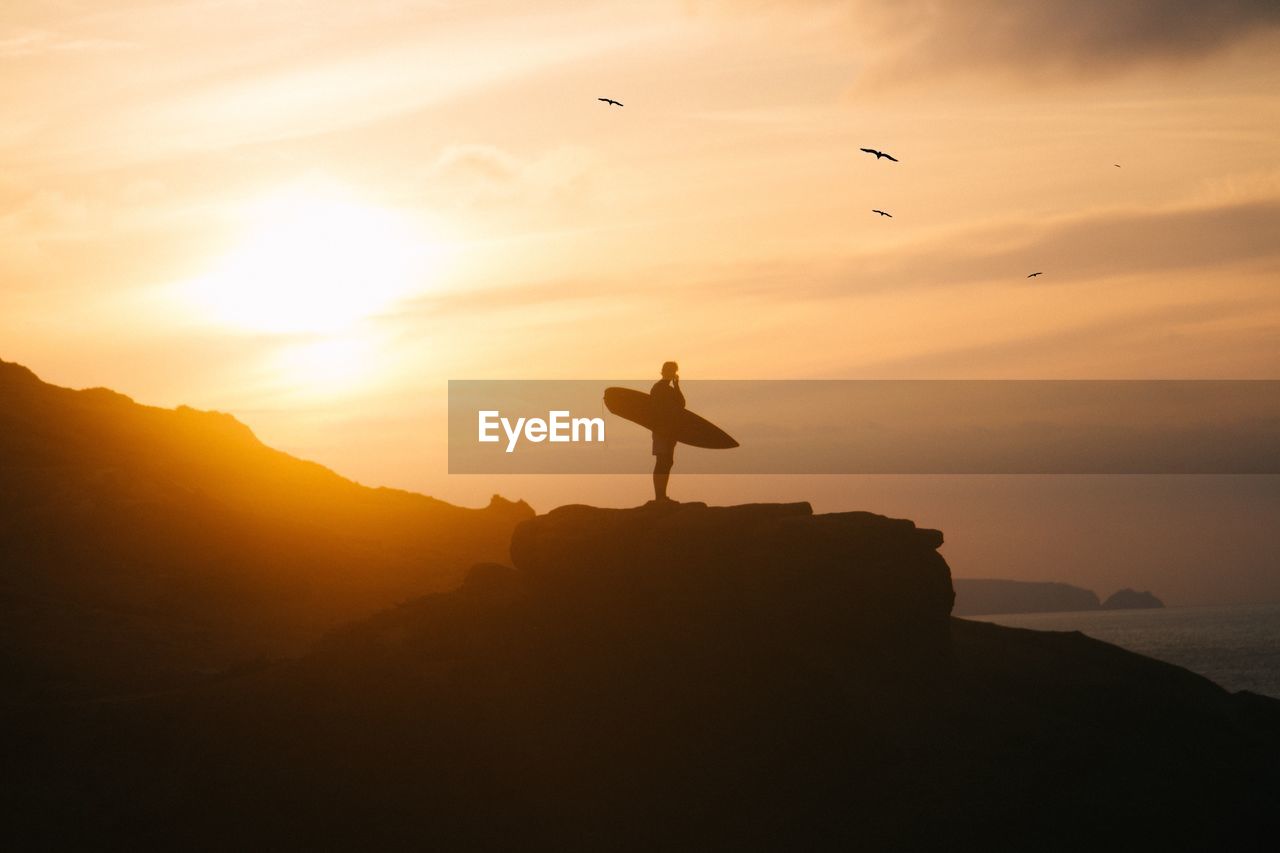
(669, 677)
(873, 587)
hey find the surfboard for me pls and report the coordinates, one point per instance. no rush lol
(691, 429)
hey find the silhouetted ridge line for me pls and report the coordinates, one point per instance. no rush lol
(147, 547)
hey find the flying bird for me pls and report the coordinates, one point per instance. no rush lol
(882, 213)
(611, 102)
(1034, 274)
(880, 154)
(1117, 165)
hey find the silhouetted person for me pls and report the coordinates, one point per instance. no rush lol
(668, 402)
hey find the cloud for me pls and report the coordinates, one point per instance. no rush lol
(1061, 349)
(487, 163)
(45, 212)
(1079, 251)
(1083, 37)
(1110, 244)
(1085, 248)
(35, 42)
(202, 77)
(473, 174)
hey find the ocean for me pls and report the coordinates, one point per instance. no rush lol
(1236, 646)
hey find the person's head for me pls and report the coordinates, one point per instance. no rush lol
(669, 370)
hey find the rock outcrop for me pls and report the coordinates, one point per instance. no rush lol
(874, 587)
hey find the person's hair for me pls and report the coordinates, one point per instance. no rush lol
(669, 367)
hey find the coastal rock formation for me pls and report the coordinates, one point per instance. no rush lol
(1129, 599)
(872, 586)
(985, 596)
(669, 677)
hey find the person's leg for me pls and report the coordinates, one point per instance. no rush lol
(662, 474)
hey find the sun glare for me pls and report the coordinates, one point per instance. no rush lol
(328, 367)
(313, 262)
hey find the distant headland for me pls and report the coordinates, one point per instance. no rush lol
(990, 596)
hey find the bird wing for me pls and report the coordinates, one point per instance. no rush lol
(891, 157)
(606, 100)
(869, 150)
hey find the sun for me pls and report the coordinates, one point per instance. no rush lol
(313, 262)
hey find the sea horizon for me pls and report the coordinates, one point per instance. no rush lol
(1237, 646)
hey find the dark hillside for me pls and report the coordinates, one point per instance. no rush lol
(675, 677)
(141, 547)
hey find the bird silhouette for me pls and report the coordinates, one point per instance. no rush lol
(611, 102)
(1034, 274)
(1117, 165)
(880, 154)
(882, 213)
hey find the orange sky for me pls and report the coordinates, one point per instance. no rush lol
(313, 214)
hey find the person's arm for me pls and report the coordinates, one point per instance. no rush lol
(679, 395)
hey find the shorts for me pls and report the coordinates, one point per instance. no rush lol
(663, 446)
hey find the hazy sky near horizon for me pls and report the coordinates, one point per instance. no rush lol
(313, 214)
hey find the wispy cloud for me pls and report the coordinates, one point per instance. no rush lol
(477, 170)
(1065, 349)
(1139, 246)
(1083, 37)
(1081, 248)
(201, 81)
(34, 42)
